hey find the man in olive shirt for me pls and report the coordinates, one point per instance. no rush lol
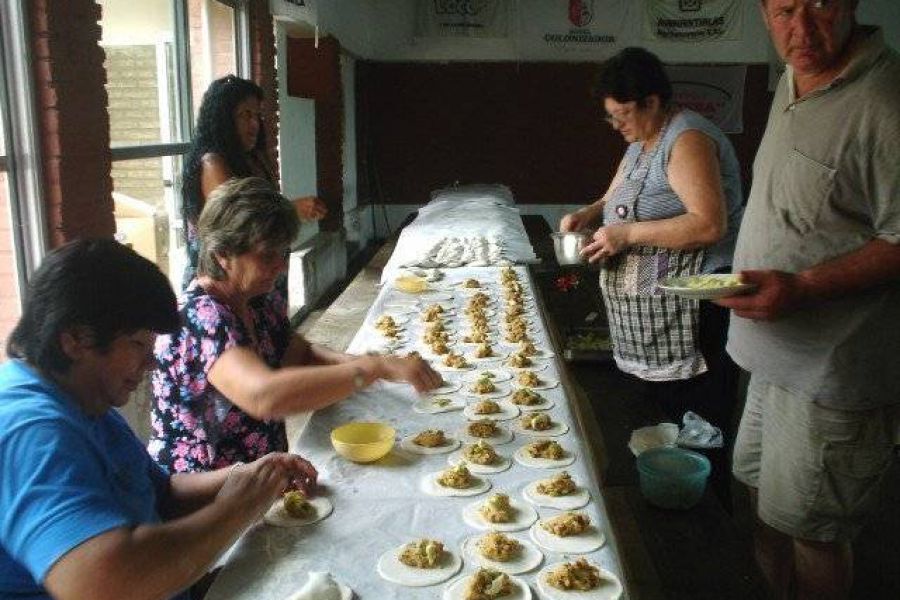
(820, 240)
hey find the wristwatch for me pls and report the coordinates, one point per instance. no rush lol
(359, 379)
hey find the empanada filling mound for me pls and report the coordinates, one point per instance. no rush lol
(483, 386)
(536, 422)
(422, 554)
(488, 584)
(519, 361)
(528, 378)
(430, 438)
(480, 453)
(499, 547)
(579, 575)
(484, 351)
(457, 477)
(486, 407)
(497, 509)
(545, 449)
(457, 361)
(296, 504)
(526, 397)
(484, 428)
(527, 348)
(558, 485)
(566, 524)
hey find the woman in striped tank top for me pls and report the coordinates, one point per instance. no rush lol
(673, 209)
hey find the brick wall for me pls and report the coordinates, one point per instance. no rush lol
(134, 118)
(262, 67)
(72, 118)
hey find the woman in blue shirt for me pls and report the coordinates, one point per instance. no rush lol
(84, 512)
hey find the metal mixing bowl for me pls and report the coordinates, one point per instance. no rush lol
(568, 245)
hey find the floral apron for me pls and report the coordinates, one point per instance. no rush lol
(654, 335)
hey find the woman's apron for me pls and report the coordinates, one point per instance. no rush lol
(655, 336)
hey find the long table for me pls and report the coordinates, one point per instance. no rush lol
(380, 506)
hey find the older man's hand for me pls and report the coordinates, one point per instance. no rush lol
(777, 293)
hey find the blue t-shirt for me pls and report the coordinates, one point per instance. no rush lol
(65, 477)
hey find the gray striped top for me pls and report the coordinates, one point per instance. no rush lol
(657, 199)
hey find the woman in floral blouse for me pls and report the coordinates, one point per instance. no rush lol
(225, 381)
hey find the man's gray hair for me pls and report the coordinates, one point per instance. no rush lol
(239, 216)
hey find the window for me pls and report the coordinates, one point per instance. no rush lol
(22, 226)
(160, 57)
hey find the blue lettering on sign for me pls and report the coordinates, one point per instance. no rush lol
(466, 8)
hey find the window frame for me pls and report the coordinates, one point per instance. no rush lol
(21, 162)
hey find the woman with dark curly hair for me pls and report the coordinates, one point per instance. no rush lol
(229, 141)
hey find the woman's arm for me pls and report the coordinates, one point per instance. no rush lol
(189, 492)
(157, 561)
(310, 208)
(267, 393)
(583, 217)
(214, 171)
(695, 177)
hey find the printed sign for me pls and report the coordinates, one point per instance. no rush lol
(716, 92)
(575, 25)
(462, 18)
(693, 20)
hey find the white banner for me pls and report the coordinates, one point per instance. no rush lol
(693, 20)
(717, 93)
(462, 18)
(567, 26)
(298, 11)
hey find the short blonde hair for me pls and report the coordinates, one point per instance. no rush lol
(239, 216)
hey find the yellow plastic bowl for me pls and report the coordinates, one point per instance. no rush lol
(363, 442)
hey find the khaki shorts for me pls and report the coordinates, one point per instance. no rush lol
(817, 469)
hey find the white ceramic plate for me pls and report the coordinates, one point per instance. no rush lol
(529, 558)
(589, 540)
(391, 569)
(525, 516)
(408, 445)
(705, 287)
(610, 588)
(430, 486)
(456, 590)
(503, 463)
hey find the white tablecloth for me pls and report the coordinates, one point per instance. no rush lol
(380, 506)
(464, 213)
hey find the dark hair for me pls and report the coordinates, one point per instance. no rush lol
(98, 284)
(239, 215)
(634, 74)
(216, 132)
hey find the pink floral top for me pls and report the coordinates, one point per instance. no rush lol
(195, 427)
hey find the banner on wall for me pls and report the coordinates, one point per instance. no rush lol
(300, 11)
(462, 18)
(574, 25)
(716, 92)
(693, 20)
